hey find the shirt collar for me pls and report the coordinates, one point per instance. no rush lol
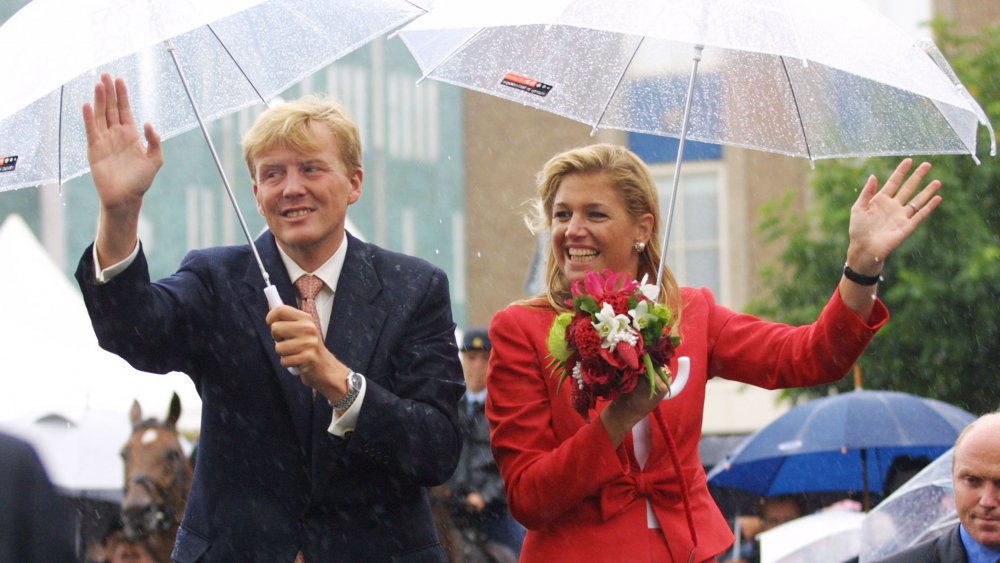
(977, 552)
(329, 272)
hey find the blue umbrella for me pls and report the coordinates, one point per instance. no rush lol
(843, 443)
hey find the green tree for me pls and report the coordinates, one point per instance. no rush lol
(942, 286)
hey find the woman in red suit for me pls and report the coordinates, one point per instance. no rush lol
(604, 487)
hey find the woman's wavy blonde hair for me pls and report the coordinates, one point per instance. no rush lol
(630, 175)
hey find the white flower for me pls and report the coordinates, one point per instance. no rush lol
(614, 328)
(650, 291)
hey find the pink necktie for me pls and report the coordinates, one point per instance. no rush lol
(309, 287)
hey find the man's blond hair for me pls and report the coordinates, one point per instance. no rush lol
(288, 126)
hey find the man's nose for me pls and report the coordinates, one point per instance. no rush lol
(293, 184)
(991, 495)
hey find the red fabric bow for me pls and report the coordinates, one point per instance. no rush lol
(660, 487)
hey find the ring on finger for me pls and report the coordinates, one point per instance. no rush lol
(913, 207)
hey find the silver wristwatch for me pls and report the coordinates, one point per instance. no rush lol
(353, 388)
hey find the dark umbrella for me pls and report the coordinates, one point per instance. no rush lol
(845, 443)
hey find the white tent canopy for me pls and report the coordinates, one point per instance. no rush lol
(52, 362)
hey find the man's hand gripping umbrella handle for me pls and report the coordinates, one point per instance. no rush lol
(274, 300)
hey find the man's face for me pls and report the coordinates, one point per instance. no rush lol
(474, 364)
(304, 197)
(976, 478)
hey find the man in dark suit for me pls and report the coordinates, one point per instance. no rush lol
(478, 500)
(36, 524)
(331, 463)
(976, 480)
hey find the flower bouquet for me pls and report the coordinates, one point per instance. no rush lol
(615, 333)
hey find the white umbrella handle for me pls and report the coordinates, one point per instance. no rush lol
(683, 371)
(273, 301)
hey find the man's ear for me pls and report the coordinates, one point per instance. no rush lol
(357, 178)
(260, 211)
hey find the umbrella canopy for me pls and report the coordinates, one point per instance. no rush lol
(810, 79)
(235, 53)
(921, 509)
(829, 536)
(846, 442)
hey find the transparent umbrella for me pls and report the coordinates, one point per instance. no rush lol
(828, 536)
(921, 509)
(185, 62)
(810, 79)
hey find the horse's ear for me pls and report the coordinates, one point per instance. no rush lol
(175, 410)
(135, 414)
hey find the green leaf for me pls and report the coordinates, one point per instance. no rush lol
(557, 338)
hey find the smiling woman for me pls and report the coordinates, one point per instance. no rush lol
(622, 480)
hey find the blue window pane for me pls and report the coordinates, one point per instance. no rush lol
(654, 149)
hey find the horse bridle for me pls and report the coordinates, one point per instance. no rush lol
(164, 516)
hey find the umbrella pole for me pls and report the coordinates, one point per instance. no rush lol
(866, 498)
(668, 220)
(270, 291)
(218, 164)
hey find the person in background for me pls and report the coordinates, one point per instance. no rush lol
(975, 476)
(774, 511)
(119, 549)
(36, 524)
(331, 462)
(901, 470)
(605, 486)
(478, 502)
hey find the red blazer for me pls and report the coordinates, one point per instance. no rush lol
(583, 500)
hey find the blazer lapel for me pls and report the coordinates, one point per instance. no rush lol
(355, 325)
(297, 397)
(356, 321)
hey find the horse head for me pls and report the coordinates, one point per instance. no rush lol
(157, 481)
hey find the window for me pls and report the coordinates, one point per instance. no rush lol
(695, 248)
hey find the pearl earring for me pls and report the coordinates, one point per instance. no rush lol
(638, 247)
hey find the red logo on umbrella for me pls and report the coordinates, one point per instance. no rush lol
(8, 163)
(527, 84)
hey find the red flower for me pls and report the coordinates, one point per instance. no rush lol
(583, 336)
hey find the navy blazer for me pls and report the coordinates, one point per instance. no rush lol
(270, 479)
(946, 548)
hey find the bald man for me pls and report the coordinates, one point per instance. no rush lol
(975, 475)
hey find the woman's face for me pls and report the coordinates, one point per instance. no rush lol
(591, 228)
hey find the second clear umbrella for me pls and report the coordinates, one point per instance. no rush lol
(185, 63)
(810, 79)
